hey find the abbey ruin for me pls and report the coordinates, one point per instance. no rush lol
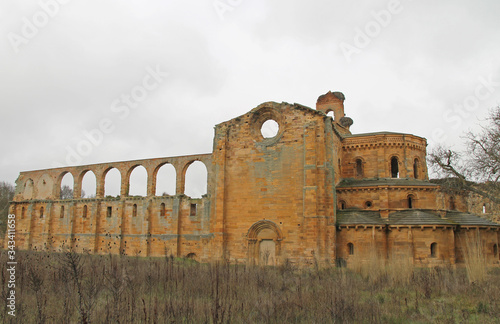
(313, 192)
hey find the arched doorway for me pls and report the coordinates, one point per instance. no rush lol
(264, 243)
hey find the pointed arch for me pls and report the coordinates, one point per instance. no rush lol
(137, 181)
(112, 182)
(166, 177)
(88, 184)
(195, 179)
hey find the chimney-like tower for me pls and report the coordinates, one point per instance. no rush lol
(332, 101)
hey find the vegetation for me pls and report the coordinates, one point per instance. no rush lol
(71, 288)
(6, 195)
(478, 169)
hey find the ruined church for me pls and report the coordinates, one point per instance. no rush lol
(310, 192)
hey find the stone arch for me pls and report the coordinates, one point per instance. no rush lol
(359, 167)
(394, 169)
(264, 243)
(416, 168)
(138, 181)
(62, 180)
(169, 186)
(411, 200)
(110, 188)
(85, 183)
(29, 189)
(200, 185)
(342, 204)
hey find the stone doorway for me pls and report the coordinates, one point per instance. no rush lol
(267, 252)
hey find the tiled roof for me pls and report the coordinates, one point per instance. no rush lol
(358, 217)
(416, 217)
(346, 183)
(465, 219)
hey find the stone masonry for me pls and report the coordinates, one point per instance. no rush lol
(313, 192)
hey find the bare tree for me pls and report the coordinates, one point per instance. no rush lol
(66, 192)
(478, 169)
(6, 195)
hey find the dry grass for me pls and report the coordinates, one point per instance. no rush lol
(70, 288)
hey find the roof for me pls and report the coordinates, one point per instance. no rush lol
(359, 217)
(378, 133)
(416, 217)
(466, 219)
(410, 217)
(346, 183)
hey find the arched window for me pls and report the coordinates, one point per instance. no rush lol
(23, 212)
(67, 183)
(342, 204)
(84, 211)
(112, 183)
(484, 208)
(394, 167)
(196, 180)
(134, 210)
(452, 203)
(62, 212)
(433, 249)
(165, 180)
(359, 168)
(162, 209)
(138, 181)
(416, 168)
(41, 212)
(411, 201)
(89, 184)
(495, 250)
(350, 248)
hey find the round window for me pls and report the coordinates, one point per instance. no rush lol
(270, 128)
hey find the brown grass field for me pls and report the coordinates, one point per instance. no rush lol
(78, 288)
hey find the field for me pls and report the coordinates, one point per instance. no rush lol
(72, 288)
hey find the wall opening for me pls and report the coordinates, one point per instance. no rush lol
(368, 204)
(165, 180)
(134, 210)
(89, 185)
(138, 182)
(342, 204)
(41, 212)
(411, 201)
(495, 250)
(350, 248)
(196, 180)
(433, 250)
(109, 211)
(61, 215)
(452, 203)
(112, 183)
(162, 209)
(359, 168)
(192, 211)
(84, 214)
(394, 167)
(23, 213)
(484, 208)
(416, 168)
(67, 186)
(270, 128)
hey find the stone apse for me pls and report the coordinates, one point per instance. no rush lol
(310, 191)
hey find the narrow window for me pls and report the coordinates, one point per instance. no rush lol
(415, 169)
(484, 208)
(350, 248)
(84, 211)
(433, 249)
(162, 209)
(134, 210)
(110, 210)
(62, 212)
(23, 212)
(495, 250)
(452, 203)
(359, 168)
(394, 167)
(193, 210)
(41, 212)
(342, 204)
(411, 202)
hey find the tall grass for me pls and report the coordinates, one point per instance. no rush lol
(70, 288)
(475, 260)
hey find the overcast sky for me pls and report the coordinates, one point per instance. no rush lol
(156, 76)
